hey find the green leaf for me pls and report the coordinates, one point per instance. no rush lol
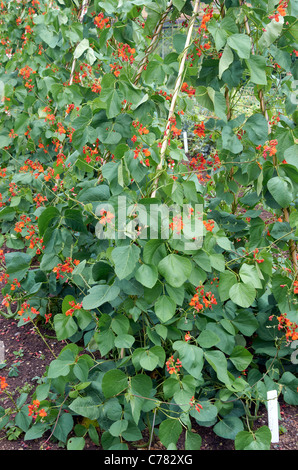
(257, 68)
(241, 43)
(75, 443)
(165, 308)
(105, 341)
(192, 441)
(256, 128)
(228, 427)
(207, 414)
(179, 4)
(114, 382)
(81, 369)
(241, 358)
(273, 31)
(281, 189)
(147, 275)
(98, 295)
(169, 431)
(73, 218)
(217, 261)
(114, 104)
(125, 259)
(141, 386)
(124, 341)
(36, 431)
(118, 428)
(175, 269)
(81, 48)
(120, 324)
(242, 294)
(63, 427)
(230, 141)
(65, 326)
(154, 73)
(260, 440)
(226, 280)
(218, 362)
(61, 366)
(226, 60)
(246, 322)
(148, 360)
(17, 264)
(191, 357)
(250, 275)
(5, 140)
(207, 339)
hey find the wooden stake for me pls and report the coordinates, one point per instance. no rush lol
(81, 17)
(154, 40)
(175, 95)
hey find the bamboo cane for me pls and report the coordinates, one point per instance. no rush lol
(83, 12)
(175, 95)
(291, 243)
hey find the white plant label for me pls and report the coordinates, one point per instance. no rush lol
(273, 415)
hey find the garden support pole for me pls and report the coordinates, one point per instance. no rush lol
(291, 243)
(153, 43)
(149, 50)
(175, 95)
(81, 17)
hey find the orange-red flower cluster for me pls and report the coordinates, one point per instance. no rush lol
(15, 283)
(164, 93)
(25, 223)
(74, 306)
(24, 308)
(208, 13)
(290, 327)
(101, 22)
(188, 89)
(32, 167)
(66, 267)
(177, 224)
(106, 217)
(39, 199)
(209, 225)
(25, 73)
(125, 52)
(271, 148)
(173, 367)
(199, 130)
(3, 384)
(3, 172)
(197, 406)
(34, 411)
(202, 300)
(115, 69)
(281, 11)
(140, 128)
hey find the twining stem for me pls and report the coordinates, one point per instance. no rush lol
(154, 42)
(81, 17)
(152, 45)
(175, 95)
(291, 243)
